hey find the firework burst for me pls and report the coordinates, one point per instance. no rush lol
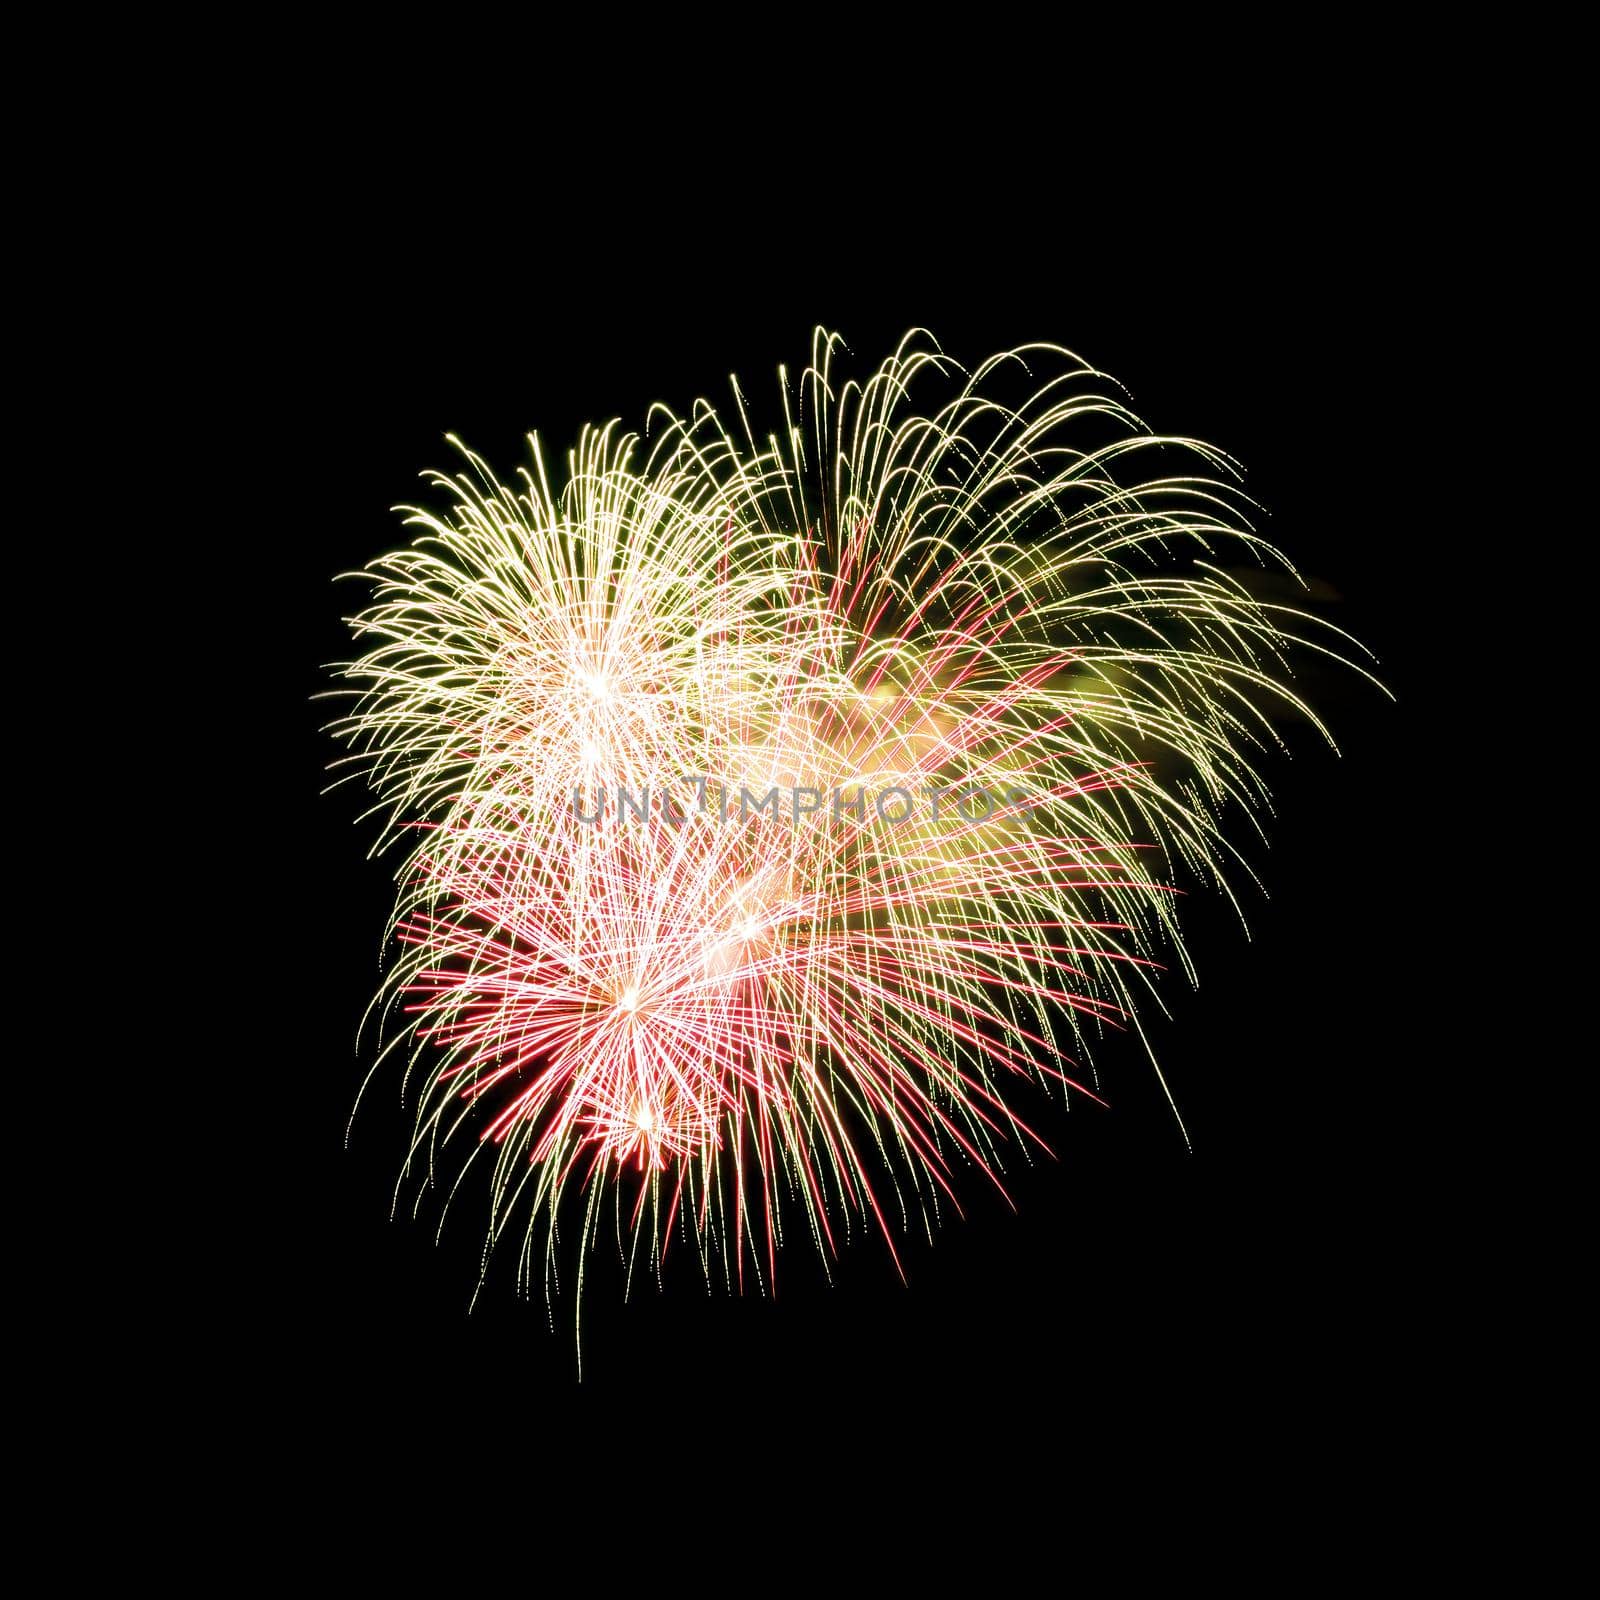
(770, 806)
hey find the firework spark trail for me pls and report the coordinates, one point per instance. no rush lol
(817, 1007)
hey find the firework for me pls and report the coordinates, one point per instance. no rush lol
(770, 807)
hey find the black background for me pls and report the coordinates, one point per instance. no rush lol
(1249, 1274)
